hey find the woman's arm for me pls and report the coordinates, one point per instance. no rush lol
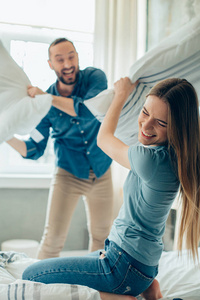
(63, 103)
(18, 145)
(106, 140)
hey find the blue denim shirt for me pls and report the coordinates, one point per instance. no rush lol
(75, 138)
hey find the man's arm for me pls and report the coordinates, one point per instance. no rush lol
(62, 103)
(96, 83)
(18, 145)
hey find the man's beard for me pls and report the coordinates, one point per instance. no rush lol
(69, 82)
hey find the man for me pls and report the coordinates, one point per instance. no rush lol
(81, 167)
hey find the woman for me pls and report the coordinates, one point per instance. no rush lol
(166, 161)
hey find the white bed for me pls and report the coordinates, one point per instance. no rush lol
(178, 277)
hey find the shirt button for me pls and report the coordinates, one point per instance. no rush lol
(77, 123)
(88, 152)
(86, 142)
(60, 114)
(82, 131)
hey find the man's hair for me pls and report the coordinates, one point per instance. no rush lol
(58, 41)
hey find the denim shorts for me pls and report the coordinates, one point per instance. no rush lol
(117, 272)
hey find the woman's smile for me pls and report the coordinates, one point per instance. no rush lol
(147, 135)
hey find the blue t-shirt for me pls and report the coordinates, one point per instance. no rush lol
(149, 191)
(75, 138)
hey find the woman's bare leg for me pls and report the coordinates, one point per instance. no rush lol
(109, 296)
(153, 292)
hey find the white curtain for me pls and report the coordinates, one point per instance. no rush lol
(115, 38)
(115, 50)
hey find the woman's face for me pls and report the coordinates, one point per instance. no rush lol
(152, 122)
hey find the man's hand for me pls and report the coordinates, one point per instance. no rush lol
(18, 145)
(34, 90)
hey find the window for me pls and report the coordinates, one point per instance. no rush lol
(27, 39)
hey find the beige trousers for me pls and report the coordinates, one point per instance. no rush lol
(64, 194)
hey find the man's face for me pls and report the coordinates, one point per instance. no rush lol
(64, 61)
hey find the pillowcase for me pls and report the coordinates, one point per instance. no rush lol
(19, 113)
(176, 56)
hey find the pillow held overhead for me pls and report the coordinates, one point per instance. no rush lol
(176, 56)
(19, 113)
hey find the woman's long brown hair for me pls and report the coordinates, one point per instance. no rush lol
(184, 138)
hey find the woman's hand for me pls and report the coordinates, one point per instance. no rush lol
(34, 90)
(124, 87)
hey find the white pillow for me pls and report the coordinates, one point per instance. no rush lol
(12, 286)
(176, 56)
(19, 113)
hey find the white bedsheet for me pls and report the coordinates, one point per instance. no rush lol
(178, 278)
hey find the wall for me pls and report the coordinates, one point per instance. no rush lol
(22, 216)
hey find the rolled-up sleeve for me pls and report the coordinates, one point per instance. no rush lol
(37, 142)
